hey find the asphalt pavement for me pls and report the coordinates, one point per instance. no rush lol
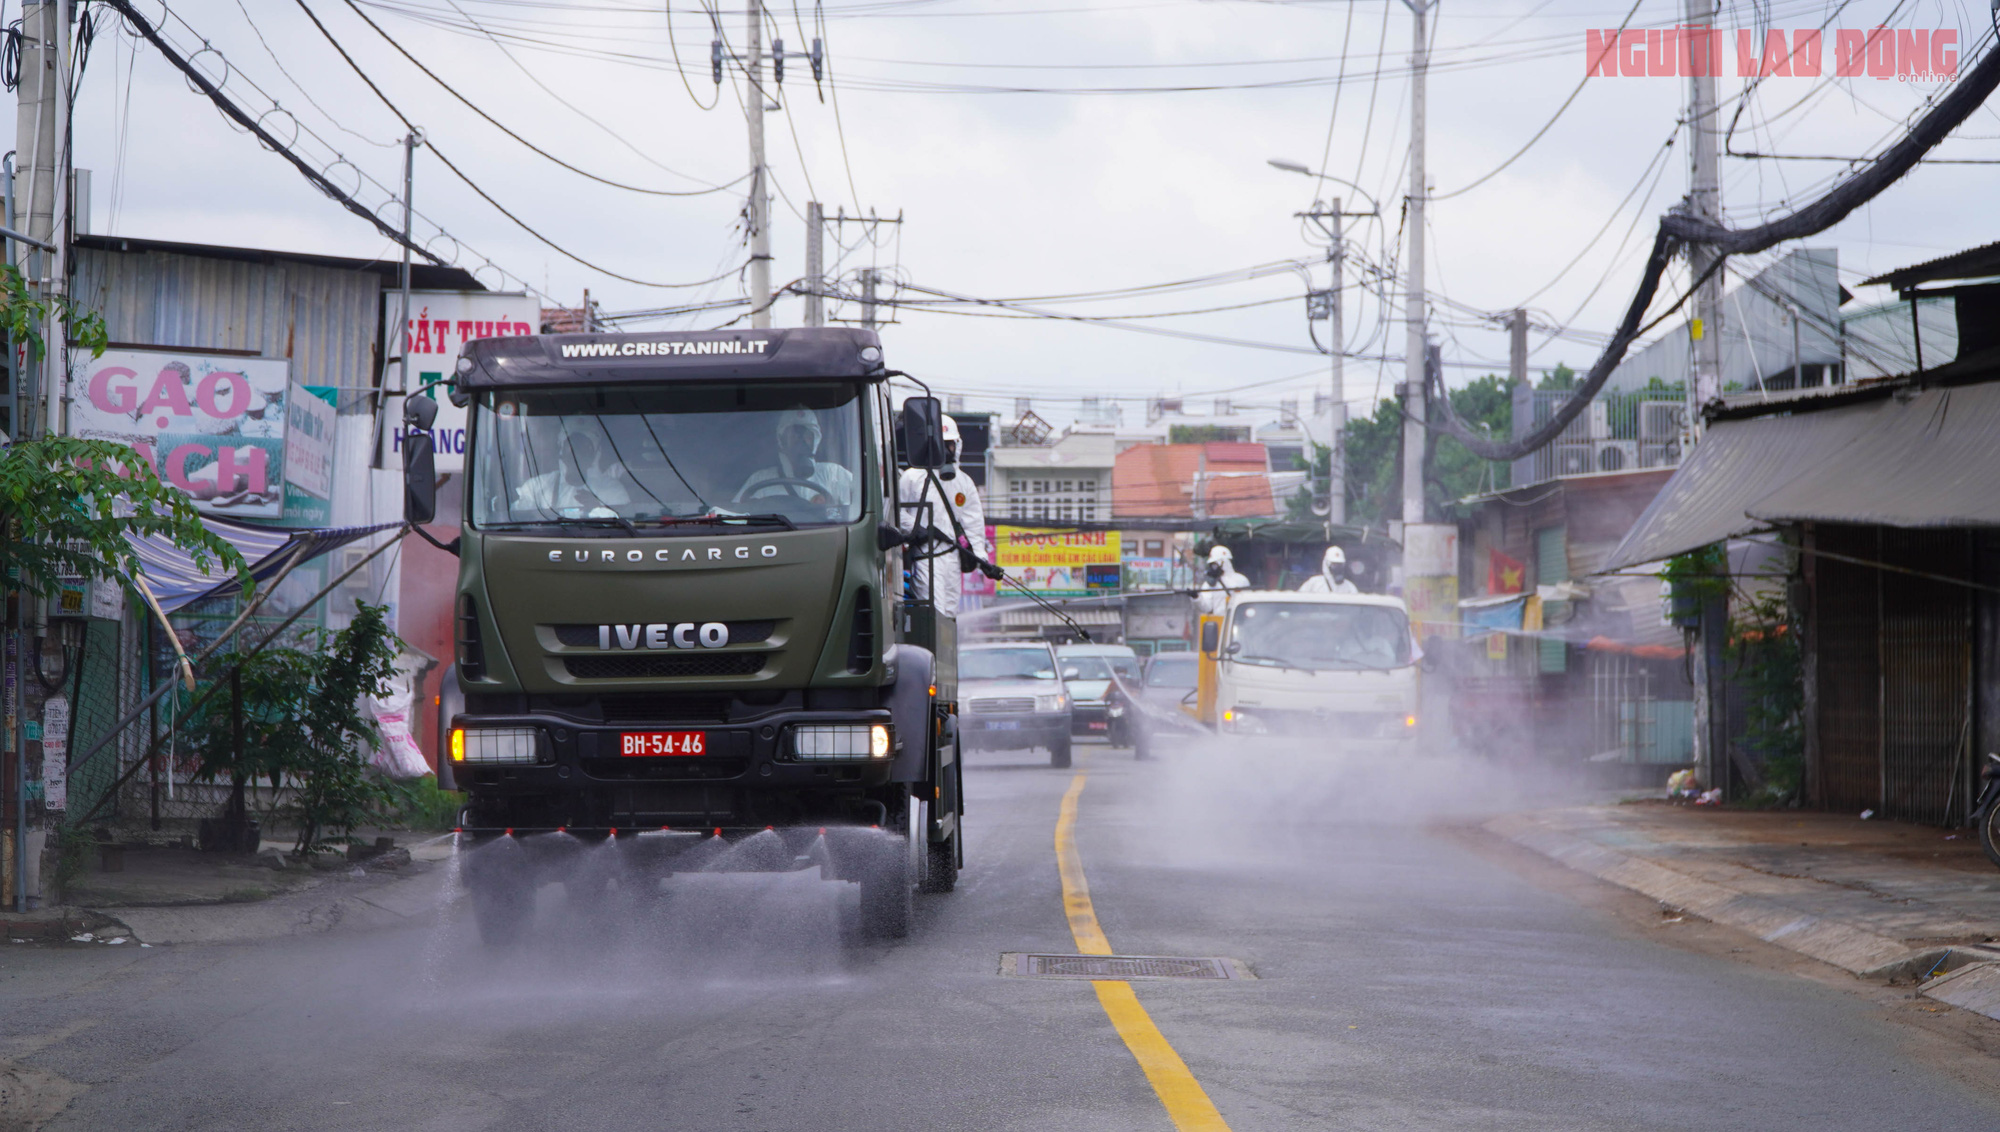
(1404, 979)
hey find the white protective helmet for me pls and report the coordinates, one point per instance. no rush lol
(1334, 557)
(1221, 555)
(800, 417)
(951, 444)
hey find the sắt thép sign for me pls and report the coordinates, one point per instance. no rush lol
(212, 425)
(439, 326)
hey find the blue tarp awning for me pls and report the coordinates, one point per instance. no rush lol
(176, 581)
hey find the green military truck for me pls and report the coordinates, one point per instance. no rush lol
(681, 621)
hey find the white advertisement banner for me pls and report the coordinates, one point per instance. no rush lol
(212, 425)
(55, 752)
(439, 326)
(309, 424)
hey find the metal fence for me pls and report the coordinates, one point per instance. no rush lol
(1617, 432)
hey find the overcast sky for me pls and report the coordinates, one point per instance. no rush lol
(1034, 148)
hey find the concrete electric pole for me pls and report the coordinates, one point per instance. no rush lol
(41, 191)
(815, 264)
(1705, 202)
(1413, 305)
(757, 214)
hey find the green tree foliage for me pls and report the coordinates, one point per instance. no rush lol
(303, 721)
(1562, 378)
(66, 503)
(1375, 466)
(336, 791)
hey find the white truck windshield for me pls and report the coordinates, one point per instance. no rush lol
(1316, 636)
(639, 455)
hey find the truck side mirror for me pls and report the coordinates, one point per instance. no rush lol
(1211, 636)
(923, 433)
(1234, 648)
(419, 461)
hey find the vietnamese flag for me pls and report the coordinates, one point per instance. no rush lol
(1504, 575)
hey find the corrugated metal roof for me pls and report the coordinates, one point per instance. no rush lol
(1912, 458)
(325, 319)
(1929, 461)
(1973, 263)
(1737, 463)
(423, 276)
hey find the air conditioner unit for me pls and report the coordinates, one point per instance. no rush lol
(1599, 416)
(1666, 454)
(1574, 460)
(1617, 455)
(1661, 422)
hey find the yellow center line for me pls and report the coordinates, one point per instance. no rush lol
(1187, 1104)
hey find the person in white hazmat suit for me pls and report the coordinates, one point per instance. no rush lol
(1332, 577)
(961, 498)
(1219, 580)
(799, 472)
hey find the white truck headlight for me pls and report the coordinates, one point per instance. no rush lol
(495, 746)
(814, 741)
(1051, 703)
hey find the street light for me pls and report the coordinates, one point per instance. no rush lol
(1374, 209)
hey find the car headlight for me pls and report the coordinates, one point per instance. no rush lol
(495, 746)
(841, 741)
(1056, 702)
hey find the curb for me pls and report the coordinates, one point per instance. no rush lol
(1853, 949)
(393, 904)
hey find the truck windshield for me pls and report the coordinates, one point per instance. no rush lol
(1320, 636)
(1006, 664)
(633, 456)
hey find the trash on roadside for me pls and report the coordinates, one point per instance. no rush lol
(1710, 798)
(115, 942)
(84, 938)
(1951, 837)
(1866, 814)
(1682, 784)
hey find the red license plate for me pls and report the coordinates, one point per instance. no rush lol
(1096, 726)
(656, 744)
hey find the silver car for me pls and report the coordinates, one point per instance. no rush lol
(1011, 697)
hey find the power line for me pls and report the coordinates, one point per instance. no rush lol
(501, 126)
(236, 114)
(469, 182)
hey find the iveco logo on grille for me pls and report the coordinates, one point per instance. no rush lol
(665, 635)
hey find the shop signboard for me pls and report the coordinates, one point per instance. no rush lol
(440, 323)
(212, 425)
(1059, 563)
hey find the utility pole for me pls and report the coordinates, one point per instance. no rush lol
(401, 336)
(815, 264)
(1336, 333)
(1705, 203)
(42, 194)
(43, 152)
(757, 215)
(869, 277)
(1413, 306)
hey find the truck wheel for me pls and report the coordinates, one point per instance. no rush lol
(1059, 752)
(504, 910)
(888, 890)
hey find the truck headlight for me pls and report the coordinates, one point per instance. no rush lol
(841, 741)
(1236, 719)
(495, 746)
(1056, 702)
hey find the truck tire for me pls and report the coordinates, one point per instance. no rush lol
(1059, 752)
(504, 909)
(941, 857)
(888, 893)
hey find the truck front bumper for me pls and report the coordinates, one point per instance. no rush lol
(745, 776)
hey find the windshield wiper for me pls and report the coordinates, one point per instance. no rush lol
(602, 520)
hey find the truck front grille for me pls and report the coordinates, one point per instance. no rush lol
(740, 633)
(630, 667)
(1002, 704)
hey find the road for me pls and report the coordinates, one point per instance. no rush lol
(1404, 980)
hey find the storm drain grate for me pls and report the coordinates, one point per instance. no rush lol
(1120, 967)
